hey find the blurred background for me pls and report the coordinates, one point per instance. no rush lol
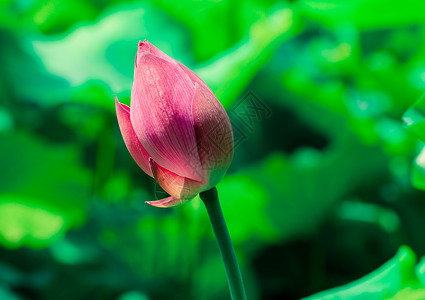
(326, 181)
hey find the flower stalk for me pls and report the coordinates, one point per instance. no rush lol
(233, 273)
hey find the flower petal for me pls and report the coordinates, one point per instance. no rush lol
(195, 78)
(145, 46)
(166, 202)
(213, 133)
(161, 115)
(175, 185)
(137, 151)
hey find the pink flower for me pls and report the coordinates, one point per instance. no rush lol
(176, 130)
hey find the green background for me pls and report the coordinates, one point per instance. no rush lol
(325, 187)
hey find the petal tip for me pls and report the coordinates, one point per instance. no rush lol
(143, 47)
(144, 43)
(151, 163)
(152, 203)
(166, 202)
(121, 106)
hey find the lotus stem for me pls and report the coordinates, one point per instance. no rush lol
(233, 273)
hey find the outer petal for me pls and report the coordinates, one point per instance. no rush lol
(145, 46)
(195, 78)
(161, 115)
(213, 133)
(167, 202)
(175, 185)
(137, 151)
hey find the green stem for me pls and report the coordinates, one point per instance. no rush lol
(234, 277)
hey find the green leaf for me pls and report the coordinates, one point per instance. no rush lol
(52, 15)
(36, 205)
(242, 196)
(314, 180)
(231, 72)
(96, 59)
(418, 171)
(420, 271)
(7, 294)
(385, 282)
(23, 222)
(362, 12)
(414, 118)
(409, 294)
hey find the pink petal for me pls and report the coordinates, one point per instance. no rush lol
(213, 133)
(161, 115)
(145, 46)
(195, 78)
(166, 202)
(139, 154)
(175, 185)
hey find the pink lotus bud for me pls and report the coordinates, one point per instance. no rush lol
(176, 130)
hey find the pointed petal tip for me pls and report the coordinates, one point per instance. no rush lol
(151, 163)
(166, 202)
(117, 102)
(143, 47)
(141, 44)
(119, 105)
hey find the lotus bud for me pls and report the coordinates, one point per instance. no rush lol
(175, 128)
